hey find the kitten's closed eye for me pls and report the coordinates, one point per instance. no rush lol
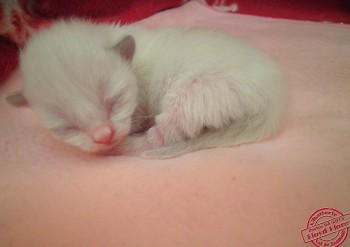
(113, 101)
(107, 99)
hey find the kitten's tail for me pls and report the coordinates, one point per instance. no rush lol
(252, 130)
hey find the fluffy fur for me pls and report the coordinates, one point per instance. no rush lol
(162, 92)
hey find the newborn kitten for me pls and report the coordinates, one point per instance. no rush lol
(157, 93)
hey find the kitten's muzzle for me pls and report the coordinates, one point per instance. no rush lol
(105, 138)
(103, 135)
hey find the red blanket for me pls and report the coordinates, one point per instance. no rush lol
(19, 18)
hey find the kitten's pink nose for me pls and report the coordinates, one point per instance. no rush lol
(103, 134)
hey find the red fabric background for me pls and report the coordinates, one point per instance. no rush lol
(337, 11)
(18, 19)
(22, 18)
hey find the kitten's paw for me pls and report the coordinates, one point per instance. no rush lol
(132, 146)
(154, 137)
(136, 145)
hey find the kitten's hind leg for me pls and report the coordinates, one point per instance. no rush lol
(186, 112)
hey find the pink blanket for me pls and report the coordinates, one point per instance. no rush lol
(259, 194)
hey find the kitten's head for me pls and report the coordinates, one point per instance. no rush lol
(81, 86)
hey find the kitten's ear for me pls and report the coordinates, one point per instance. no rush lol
(126, 48)
(16, 99)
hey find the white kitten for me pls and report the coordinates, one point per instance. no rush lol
(98, 86)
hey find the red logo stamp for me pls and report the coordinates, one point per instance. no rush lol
(326, 227)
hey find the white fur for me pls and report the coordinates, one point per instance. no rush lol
(199, 88)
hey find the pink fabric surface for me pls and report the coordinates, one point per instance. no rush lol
(259, 194)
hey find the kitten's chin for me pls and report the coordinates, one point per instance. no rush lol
(103, 149)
